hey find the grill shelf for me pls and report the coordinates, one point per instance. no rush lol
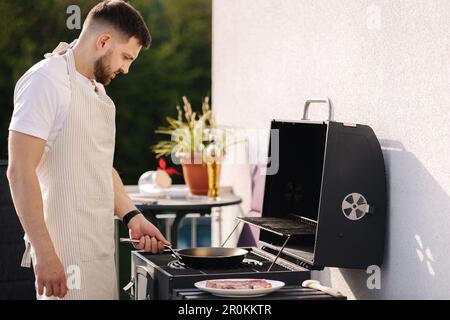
(282, 227)
(295, 226)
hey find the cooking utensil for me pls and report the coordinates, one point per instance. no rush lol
(127, 240)
(314, 284)
(205, 257)
(212, 257)
(173, 251)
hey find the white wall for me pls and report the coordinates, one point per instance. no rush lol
(383, 63)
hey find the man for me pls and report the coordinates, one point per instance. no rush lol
(61, 147)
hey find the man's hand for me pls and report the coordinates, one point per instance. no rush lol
(50, 275)
(151, 239)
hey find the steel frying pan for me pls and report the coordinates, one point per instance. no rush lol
(212, 257)
(206, 257)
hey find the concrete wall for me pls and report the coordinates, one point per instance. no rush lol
(383, 63)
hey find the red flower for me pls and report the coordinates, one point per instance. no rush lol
(163, 166)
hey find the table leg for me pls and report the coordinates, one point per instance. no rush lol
(175, 226)
(168, 225)
(193, 232)
(219, 219)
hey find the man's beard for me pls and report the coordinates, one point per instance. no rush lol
(102, 71)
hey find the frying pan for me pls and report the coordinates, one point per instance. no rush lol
(206, 257)
(211, 257)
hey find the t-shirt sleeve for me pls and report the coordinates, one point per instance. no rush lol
(35, 105)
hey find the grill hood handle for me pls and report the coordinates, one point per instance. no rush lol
(318, 100)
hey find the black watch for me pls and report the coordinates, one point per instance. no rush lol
(130, 215)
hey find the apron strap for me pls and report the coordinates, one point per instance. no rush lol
(26, 258)
(71, 65)
(65, 48)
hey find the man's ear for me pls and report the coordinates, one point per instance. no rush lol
(103, 41)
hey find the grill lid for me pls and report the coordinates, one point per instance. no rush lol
(318, 206)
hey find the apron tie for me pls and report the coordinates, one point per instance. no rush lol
(26, 258)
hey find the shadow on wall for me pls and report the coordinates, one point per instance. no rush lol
(416, 261)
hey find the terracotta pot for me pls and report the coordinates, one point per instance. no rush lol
(195, 174)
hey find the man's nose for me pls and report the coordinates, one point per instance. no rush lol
(124, 69)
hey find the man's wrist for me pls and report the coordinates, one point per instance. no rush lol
(130, 215)
(44, 251)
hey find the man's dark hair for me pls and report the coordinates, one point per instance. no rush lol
(124, 18)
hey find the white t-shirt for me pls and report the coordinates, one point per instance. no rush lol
(42, 99)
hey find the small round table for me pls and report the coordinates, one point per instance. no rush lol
(183, 206)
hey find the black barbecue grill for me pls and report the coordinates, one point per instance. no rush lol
(325, 206)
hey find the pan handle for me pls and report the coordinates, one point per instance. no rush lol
(128, 240)
(173, 251)
(318, 100)
(168, 246)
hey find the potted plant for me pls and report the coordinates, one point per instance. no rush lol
(190, 134)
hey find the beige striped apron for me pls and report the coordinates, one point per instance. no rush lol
(75, 176)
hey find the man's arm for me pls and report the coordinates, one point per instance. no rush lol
(122, 202)
(140, 228)
(25, 152)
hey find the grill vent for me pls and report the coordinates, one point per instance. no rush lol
(354, 206)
